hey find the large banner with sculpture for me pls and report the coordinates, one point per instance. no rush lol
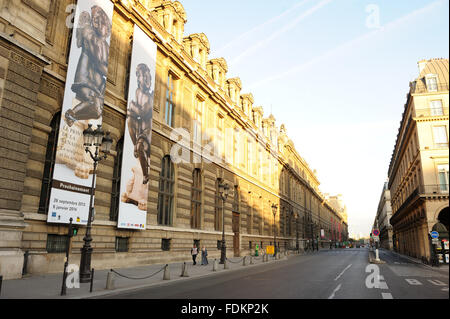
(82, 105)
(138, 134)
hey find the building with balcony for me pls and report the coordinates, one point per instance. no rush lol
(418, 171)
(192, 92)
(382, 218)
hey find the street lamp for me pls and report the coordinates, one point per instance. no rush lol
(223, 191)
(98, 139)
(274, 211)
(296, 230)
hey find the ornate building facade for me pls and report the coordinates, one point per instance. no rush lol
(192, 94)
(418, 172)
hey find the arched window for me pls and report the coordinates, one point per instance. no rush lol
(218, 207)
(115, 191)
(166, 193)
(196, 200)
(49, 165)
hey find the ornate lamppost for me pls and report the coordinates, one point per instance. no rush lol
(274, 211)
(296, 214)
(223, 191)
(103, 144)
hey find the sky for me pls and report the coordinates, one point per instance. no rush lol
(335, 72)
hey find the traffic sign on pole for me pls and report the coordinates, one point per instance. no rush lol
(434, 234)
(376, 232)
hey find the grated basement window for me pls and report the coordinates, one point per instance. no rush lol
(57, 243)
(165, 244)
(122, 244)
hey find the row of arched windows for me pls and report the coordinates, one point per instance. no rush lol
(166, 189)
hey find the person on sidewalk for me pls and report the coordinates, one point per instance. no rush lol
(204, 256)
(194, 253)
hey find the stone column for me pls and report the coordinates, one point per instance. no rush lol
(20, 75)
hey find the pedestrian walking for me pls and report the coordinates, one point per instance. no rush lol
(194, 253)
(204, 256)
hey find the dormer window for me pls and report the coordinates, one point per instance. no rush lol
(432, 84)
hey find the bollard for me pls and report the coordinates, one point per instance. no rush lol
(244, 261)
(184, 272)
(225, 264)
(166, 273)
(110, 281)
(215, 265)
(251, 260)
(92, 280)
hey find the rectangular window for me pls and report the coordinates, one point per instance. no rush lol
(443, 177)
(170, 100)
(165, 244)
(436, 108)
(440, 136)
(122, 244)
(249, 156)
(219, 137)
(198, 115)
(432, 83)
(57, 243)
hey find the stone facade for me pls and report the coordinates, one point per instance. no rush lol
(418, 172)
(257, 159)
(384, 214)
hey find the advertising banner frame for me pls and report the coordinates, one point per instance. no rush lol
(135, 173)
(82, 105)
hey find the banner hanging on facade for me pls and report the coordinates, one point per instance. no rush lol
(82, 104)
(138, 134)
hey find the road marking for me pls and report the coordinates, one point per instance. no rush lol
(414, 282)
(381, 283)
(342, 272)
(387, 295)
(437, 282)
(335, 291)
(445, 289)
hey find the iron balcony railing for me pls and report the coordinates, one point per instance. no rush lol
(420, 88)
(440, 111)
(422, 191)
(437, 189)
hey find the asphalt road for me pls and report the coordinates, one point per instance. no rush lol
(328, 274)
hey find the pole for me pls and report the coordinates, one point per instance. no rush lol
(86, 251)
(275, 236)
(66, 262)
(377, 256)
(223, 254)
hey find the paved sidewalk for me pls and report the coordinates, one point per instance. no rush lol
(48, 286)
(443, 268)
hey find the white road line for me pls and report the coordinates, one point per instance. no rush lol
(387, 295)
(381, 283)
(335, 291)
(342, 272)
(437, 282)
(414, 282)
(445, 289)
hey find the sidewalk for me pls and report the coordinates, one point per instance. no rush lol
(443, 268)
(48, 286)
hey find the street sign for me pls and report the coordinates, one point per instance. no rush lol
(434, 234)
(270, 250)
(376, 232)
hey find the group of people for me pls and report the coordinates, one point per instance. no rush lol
(194, 253)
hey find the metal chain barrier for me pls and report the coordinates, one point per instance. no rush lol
(141, 277)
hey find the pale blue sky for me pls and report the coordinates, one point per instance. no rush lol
(336, 82)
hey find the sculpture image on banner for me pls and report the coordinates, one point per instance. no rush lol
(82, 105)
(138, 134)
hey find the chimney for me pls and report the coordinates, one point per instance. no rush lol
(422, 64)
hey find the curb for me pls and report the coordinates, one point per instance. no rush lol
(117, 291)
